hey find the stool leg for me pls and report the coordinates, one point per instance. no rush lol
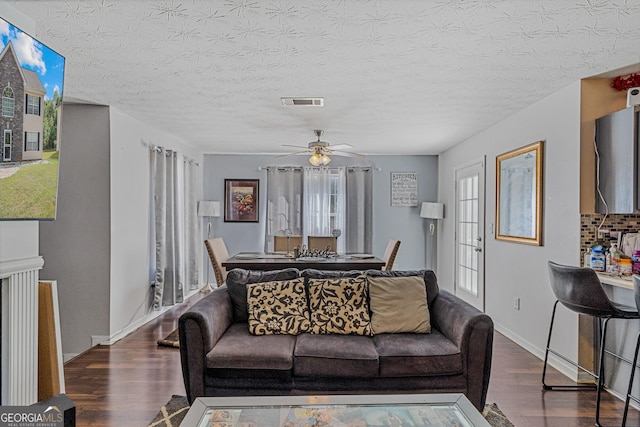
(546, 353)
(601, 369)
(633, 372)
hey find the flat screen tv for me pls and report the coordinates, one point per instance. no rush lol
(31, 86)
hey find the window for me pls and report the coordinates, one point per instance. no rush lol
(323, 201)
(8, 102)
(32, 141)
(33, 105)
(318, 201)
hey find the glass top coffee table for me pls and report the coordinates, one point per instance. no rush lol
(397, 410)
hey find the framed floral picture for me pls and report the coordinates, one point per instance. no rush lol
(241, 200)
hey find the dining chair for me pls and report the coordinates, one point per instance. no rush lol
(390, 253)
(218, 254)
(280, 243)
(636, 291)
(322, 242)
(580, 290)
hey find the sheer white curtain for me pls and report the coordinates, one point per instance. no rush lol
(324, 203)
(284, 203)
(174, 218)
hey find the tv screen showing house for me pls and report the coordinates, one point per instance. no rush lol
(31, 85)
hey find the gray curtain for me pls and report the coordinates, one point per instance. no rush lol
(192, 226)
(359, 210)
(284, 203)
(169, 287)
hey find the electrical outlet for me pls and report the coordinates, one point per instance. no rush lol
(516, 303)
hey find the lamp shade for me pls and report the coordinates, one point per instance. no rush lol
(432, 210)
(208, 208)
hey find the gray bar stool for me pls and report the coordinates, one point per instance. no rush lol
(636, 290)
(580, 290)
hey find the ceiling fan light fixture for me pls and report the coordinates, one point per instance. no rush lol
(324, 159)
(315, 159)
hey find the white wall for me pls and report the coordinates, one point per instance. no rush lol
(515, 270)
(402, 223)
(130, 197)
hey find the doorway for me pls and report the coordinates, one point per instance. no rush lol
(469, 232)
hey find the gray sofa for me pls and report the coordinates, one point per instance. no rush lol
(220, 357)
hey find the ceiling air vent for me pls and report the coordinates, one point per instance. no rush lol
(304, 102)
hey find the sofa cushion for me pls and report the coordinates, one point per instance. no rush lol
(238, 279)
(339, 306)
(278, 307)
(335, 356)
(417, 354)
(429, 279)
(398, 304)
(311, 273)
(238, 349)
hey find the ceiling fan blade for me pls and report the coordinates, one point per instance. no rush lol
(293, 154)
(340, 146)
(347, 154)
(295, 146)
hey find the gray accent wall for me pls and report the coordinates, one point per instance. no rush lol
(402, 223)
(76, 246)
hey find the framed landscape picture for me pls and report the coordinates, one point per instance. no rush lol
(241, 200)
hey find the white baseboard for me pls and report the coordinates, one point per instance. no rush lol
(68, 356)
(98, 339)
(140, 322)
(565, 368)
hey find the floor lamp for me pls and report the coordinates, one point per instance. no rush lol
(432, 211)
(208, 209)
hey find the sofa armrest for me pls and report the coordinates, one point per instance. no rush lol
(472, 331)
(199, 328)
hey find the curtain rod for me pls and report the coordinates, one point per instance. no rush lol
(289, 168)
(159, 148)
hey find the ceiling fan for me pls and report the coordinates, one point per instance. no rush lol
(320, 150)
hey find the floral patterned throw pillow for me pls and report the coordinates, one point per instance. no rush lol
(339, 306)
(278, 308)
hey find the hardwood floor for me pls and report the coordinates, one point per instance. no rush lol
(126, 383)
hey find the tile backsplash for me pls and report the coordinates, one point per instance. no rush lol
(614, 223)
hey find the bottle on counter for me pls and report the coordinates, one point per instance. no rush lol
(635, 262)
(625, 267)
(597, 259)
(587, 259)
(614, 265)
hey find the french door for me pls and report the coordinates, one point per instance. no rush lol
(469, 234)
(6, 145)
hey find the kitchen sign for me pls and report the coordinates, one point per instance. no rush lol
(404, 189)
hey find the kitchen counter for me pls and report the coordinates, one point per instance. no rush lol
(615, 280)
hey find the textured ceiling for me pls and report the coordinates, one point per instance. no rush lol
(398, 76)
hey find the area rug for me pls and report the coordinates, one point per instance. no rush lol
(170, 340)
(172, 414)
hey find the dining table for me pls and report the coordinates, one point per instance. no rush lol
(278, 261)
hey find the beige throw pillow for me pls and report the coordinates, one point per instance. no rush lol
(398, 304)
(278, 307)
(339, 306)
